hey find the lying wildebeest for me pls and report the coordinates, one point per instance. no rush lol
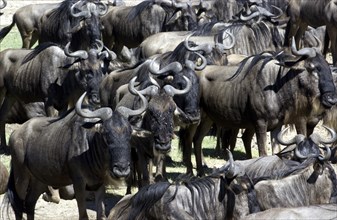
(210, 197)
(52, 75)
(73, 21)
(227, 194)
(315, 14)
(264, 92)
(319, 211)
(89, 149)
(130, 25)
(166, 41)
(3, 178)
(28, 21)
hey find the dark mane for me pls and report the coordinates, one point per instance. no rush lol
(146, 198)
(139, 8)
(38, 49)
(265, 56)
(58, 21)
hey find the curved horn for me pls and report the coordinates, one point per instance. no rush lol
(267, 13)
(295, 140)
(3, 4)
(332, 139)
(299, 155)
(174, 67)
(80, 53)
(82, 13)
(150, 90)
(102, 113)
(207, 48)
(249, 13)
(102, 8)
(231, 167)
(232, 38)
(310, 52)
(126, 112)
(203, 64)
(327, 155)
(170, 90)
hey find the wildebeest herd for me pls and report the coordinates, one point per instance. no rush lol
(108, 86)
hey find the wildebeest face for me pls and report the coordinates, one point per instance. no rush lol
(320, 69)
(117, 134)
(189, 102)
(91, 75)
(159, 120)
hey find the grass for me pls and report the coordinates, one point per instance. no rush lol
(12, 40)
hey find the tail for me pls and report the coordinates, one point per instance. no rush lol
(4, 31)
(11, 200)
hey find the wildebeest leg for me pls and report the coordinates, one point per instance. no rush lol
(5, 108)
(99, 202)
(233, 134)
(203, 128)
(34, 39)
(275, 146)
(247, 137)
(186, 139)
(291, 30)
(80, 195)
(299, 34)
(35, 189)
(261, 137)
(160, 167)
(333, 37)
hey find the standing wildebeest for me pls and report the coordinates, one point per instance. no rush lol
(130, 25)
(89, 149)
(314, 13)
(28, 22)
(73, 21)
(264, 92)
(54, 76)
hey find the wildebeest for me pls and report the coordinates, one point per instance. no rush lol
(166, 41)
(86, 148)
(73, 21)
(319, 211)
(28, 22)
(264, 92)
(130, 25)
(52, 75)
(315, 14)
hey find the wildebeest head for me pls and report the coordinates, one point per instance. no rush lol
(113, 133)
(319, 69)
(74, 21)
(308, 147)
(90, 70)
(159, 117)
